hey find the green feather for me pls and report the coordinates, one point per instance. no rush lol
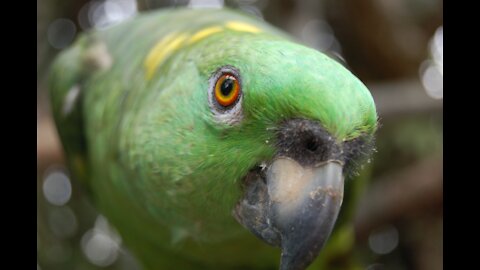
(159, 166)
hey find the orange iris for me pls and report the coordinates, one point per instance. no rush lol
(227, 90)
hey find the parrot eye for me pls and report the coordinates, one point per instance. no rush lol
(227, 89)
(225, 95)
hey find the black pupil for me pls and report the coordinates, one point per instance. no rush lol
(227, 86)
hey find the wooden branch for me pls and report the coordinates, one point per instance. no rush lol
(407, 193)
(49, 149)
(403, 98)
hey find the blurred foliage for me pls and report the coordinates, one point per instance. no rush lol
(408, 139)
(380, 41)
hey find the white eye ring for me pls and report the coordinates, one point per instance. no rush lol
(227, 115)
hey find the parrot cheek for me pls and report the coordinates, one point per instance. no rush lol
(252, 211)
(293, 207)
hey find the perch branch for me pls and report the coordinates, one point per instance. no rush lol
(407, 193)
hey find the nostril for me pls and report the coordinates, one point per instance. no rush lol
(306, 141)
(311, 144)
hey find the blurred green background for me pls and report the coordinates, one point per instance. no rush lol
(394, 46)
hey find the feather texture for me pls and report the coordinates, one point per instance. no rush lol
(144, 140)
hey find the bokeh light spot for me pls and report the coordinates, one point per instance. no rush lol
(383, 240)
(431, 70)
(436, 48)
(57, 188)
(432, 80)
(319, 35)
(60, 33)
(101, 244)
(62, 222)
(58, 252)
(103, 14)
(99, 248)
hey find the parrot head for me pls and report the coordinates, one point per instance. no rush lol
(257, 131)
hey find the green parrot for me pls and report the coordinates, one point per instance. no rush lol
(199, 133)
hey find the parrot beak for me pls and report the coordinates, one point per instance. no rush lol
(293, 206)
(305, 205)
